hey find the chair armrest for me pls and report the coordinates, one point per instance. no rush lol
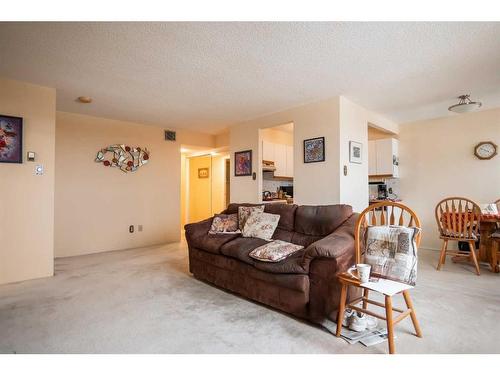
(336, 244)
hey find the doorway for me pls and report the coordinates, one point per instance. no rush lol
(204, 184)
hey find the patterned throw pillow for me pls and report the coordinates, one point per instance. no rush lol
(261, 225)
(224, 224)
(275, 251)
(245, 212)
(392, 252)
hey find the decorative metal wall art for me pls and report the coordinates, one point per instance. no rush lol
(127, 158)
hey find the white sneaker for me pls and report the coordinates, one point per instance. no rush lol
(360, 321)
(348, 313)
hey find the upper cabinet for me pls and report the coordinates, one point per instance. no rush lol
(281, 155)
(383, 157)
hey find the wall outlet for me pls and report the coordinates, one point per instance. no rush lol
(131, 229)
(139, 228)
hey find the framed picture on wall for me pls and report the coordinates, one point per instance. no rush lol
(11, 139)
(203, 173)
(243, 163)
(314, 150)
(355, 152)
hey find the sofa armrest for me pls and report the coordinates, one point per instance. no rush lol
(200, 228)
(336, 244)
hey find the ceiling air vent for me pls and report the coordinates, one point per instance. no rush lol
(170, 135)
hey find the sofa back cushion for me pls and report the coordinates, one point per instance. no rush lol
(320, 221)
(286, 212)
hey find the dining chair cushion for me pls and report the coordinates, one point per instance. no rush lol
(392, 252)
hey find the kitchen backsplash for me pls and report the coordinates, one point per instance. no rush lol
(273, 185)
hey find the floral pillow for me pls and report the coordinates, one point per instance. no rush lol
(224, 224)
(245, 212)
(275, 251)
(261, 225)
(392, 252)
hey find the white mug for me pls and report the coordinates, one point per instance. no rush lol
(363, 271)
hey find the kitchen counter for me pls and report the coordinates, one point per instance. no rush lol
(275, 201)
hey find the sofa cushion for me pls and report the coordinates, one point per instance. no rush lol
(294, 264)
(283, 235)
(304, 239)
(321, 220)
(286, 212)
(240, 247)
(211, 242)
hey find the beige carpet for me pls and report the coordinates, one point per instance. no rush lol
(145, 301)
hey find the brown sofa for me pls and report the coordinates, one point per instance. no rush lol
(304, 284)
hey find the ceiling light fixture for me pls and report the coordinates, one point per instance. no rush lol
(465, 105)
(84, 99)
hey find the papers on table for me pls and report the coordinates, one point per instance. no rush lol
(387, 287)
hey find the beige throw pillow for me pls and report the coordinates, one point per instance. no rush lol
(245, 212)
(275, 251)
(261, 225)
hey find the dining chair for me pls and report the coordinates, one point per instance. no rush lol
(379, 214)
(496, 247)
(458, 220)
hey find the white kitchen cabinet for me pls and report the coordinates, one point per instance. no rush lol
(289, 161)
(372, 158)
(267, 151)
(281, 155)
(383, 157)
(280, 160)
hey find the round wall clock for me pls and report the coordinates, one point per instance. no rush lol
(485, 150)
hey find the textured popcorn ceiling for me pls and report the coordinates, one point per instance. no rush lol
(207, 76)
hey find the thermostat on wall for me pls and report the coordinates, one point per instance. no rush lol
(39, 170)
(31, 156)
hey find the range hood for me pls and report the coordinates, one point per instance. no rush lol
(268, 166)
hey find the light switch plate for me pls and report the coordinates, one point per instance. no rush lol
(31, 156)
(39, 170)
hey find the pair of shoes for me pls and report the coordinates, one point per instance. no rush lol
(360, 321)
(348, 314)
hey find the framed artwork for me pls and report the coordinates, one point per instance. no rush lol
(243, 163)
(11, 139)
(355, 152)
(314, 150)
(203, 173)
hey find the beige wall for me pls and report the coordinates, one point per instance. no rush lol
(336, 119)
(277, 136)
(315, 183)
(26, 200)
(95, 205)
(437, 160)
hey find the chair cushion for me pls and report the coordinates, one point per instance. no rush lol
(240, 248)
(496, 234)
(321, 220)
(392, 252)
(274, 251)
